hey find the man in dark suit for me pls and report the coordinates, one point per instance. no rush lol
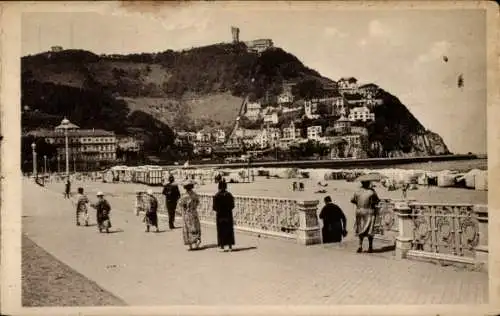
(172, 195)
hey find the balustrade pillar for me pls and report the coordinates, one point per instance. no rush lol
(308, 232)
(481, 250)
(405, 226)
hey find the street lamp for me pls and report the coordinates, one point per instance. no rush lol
(33, 147)
(65, 124)
(45, 164)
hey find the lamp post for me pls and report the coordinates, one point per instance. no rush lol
(33, 147)
(65, 124)
(45, 164)
(58, 165)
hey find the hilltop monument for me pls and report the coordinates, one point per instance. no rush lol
(235, 31)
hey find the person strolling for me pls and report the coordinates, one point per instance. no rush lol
(172, 195)
(366, 201)
(223, 205)
(191, 230)
(334, 222)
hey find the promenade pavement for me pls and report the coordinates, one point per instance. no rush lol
(156, 268)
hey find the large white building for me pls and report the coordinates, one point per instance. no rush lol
(271, 118)
(253, 110)
(92, 145)
(362, 114)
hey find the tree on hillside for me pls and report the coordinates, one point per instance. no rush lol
(308, 89)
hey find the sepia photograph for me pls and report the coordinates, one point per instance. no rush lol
(249, 154)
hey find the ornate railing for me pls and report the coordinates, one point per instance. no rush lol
(292, 219)
(444, 228)
(449, 232)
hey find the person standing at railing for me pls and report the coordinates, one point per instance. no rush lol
(191, 230)
(151, 216)
(223, 205)
(334, 222)
(172, 195)
(366, 201)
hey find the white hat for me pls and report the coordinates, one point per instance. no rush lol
(100, 193)
(150, 192)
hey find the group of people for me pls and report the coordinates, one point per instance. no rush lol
(335, 223)
(102, 207)
(223, 205)
(334, 220)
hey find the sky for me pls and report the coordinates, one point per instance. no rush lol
(399, 50)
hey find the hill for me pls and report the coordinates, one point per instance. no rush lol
(152, 94)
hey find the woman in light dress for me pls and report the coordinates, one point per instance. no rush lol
(191, 230)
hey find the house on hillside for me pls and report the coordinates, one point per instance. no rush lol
(204, 135)
(268, 136)
(271, 117)
(259, 45)
(219, 135)
(253, 110)
(342, 126)
(311, 109)
(348, 85)
(369, 89)
(361, 114)
(286, 96)
(185, 137)
(314, 132)
(291, 132)
(354, 100)
(56, 49)
(372, 102)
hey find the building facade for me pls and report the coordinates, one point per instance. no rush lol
(362, 114)
(314, 132)
(259, 45)
(91, 145)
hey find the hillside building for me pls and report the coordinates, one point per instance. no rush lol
(314, 132)
(271, 118)
(291, 132)
(56, 49)
(287, 95)
(219, 136)
(130, 144)
(348, 85)
(259, 45)
(362, 114)
(342, 126)
(253, 110)
(311, 109)
(204, 136)
(368, 90)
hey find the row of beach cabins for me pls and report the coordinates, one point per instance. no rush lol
(392, 177)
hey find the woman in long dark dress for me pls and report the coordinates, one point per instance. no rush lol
(223, 205)
(334, 222)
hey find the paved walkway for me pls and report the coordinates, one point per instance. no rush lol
(156, 269)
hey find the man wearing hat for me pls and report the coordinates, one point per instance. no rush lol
(366, 201)
(103, 210)
(151, 217)
(172, 195)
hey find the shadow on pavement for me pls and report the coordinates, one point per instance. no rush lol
(244, 248)
(384, 249)
(208, 246)
(119, 230)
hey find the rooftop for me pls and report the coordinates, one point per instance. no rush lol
(75, 133)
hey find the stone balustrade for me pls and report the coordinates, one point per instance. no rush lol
(456, 233)
(277, 217)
